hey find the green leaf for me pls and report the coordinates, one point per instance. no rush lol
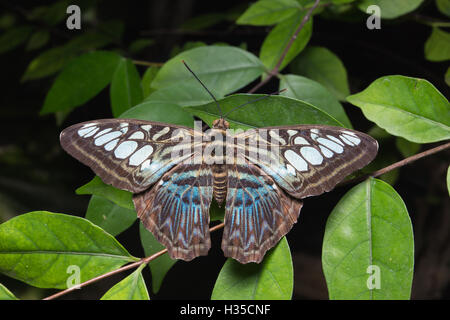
(277, 40)
(268, 12)
(82, 79)
(126, 89)
(411, 108)
(407, 148)
(54, 59)
(140, 44)
(39, 247)
(131, 288)
(161, 112)
(370, 226)
(189, 94)
(444, 6)
(38, 40)
(308, 90)
(147, 80)
(271, 111)
(5, 294)
(97, 187)
(437, 47)
(323, 66)
(14, 37)
(158, 267)
(391, 9)
(223, 69)
(109, 216)
(272, 279)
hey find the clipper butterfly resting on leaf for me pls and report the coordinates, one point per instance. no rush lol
(258, 175)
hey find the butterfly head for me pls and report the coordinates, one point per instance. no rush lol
(221, 124)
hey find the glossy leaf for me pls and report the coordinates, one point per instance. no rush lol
(437, 47)
(277, 40)
(268, 12)
(443, 6)
(131, 288)
(407, 148)
(223, 69)
(161, 112)
(159, 267)
(368, 246)
(323, 66)
(39, 247)
(189, 94)
(391, 9)
(5, 294)
(38, 40)
(407, 107)
(272, 279)
(126, 89)
(271, 111)
(82, 79)
(14, 37)
(109, 216)
(97, 187)
(147, 80)
(308, 90)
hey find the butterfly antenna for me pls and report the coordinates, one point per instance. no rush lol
(214, 98)
(255, 100)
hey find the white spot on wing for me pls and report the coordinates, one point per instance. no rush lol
(327, 153)
(91, 133)
(103, 132)
(353, 138)
(146, 127)
(111, 145)
(142, 154)
(125, 149)
(107, 137)
(145, 165)
(161, 133)
(276, 136)
(291, 132)
(298, 162)
(85, 131)
(335, 139)
(137, 135)
(300, 140)
(291, 169)
(331, 145)
(312, 155)
(89, 124)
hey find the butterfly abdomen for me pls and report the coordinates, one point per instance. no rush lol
(220, 182)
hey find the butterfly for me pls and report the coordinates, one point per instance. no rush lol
(259, 175)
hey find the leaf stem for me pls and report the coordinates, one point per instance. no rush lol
(275, 70)
(119, 270)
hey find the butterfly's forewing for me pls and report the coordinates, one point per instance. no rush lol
(309, 160)
(128, 154)
(176, 210)
(258, 213)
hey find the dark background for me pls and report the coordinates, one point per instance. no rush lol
(35, 174)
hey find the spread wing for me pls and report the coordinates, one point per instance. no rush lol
(128, 154)
(257, 213)
(307, 160)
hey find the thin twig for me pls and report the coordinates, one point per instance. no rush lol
(398, 164)
(275, 70)
(119, 270)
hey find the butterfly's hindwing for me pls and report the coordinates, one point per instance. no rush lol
(310, 160)
(176, 210)
(128, 154)
(257, 214)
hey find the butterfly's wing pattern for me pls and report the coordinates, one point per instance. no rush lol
(176, 210)
(257, 214)
(128, 154)
(310, 159)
